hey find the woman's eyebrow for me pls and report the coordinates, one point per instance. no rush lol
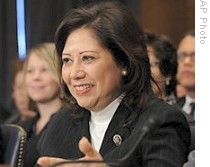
(93, 51)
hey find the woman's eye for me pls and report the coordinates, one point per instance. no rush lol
(66, 60)
(88, 58)
(29, 71)
(44, 69)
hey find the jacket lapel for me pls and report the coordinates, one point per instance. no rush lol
(84, 129)
(116, 132)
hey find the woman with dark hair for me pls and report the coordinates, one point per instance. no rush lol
(105, 76)
(163, 63)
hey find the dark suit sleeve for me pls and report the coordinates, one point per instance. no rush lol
(61, 137)
(167, 145)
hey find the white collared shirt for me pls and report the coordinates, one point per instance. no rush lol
(99, 122)
(187, 107)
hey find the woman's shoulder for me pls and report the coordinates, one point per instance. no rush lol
(62, 115)
(65, 116)
(66, 113)
(162, 106)
(164, 112)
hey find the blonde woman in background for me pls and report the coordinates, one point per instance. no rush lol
(42, 86)
(23, 107)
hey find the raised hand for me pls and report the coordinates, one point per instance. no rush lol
(91, 158)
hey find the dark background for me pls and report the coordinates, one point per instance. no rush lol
(169, 17)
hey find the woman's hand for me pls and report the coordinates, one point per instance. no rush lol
(85, 147)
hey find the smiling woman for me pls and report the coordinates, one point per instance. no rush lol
(105, 76)
(42, 87)
(91, 81)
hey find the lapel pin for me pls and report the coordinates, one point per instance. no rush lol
(117, 139)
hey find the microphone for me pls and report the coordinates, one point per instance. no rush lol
(149, 125)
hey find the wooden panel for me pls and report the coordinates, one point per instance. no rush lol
(169, 17)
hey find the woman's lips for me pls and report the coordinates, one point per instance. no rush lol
(83, 89)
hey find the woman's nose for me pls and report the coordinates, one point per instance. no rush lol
(36, 74)
(77, 71)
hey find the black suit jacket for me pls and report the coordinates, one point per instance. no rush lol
(190, 120)
(181, 101)
(165, 146)
(180, 104)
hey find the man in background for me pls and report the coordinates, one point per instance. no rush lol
(186, 78)
(186, 74)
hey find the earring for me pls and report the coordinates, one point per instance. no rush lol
(124, 72)
(167, 82)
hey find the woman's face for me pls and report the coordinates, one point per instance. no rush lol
(89, 70)
(156, 73)
(40, 82)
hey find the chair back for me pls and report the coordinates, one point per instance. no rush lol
(14, 140)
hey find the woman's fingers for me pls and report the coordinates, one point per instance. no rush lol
(89, 151)
(84, 146)
(48, 161)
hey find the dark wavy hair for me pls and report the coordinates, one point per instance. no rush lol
(166, 53)
(117, 29)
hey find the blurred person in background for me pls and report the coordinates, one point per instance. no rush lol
(24, 108)
(186, 74)
(4, 113)
(186, 77)
(163, 64)
(42, 86)
(180, 91)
